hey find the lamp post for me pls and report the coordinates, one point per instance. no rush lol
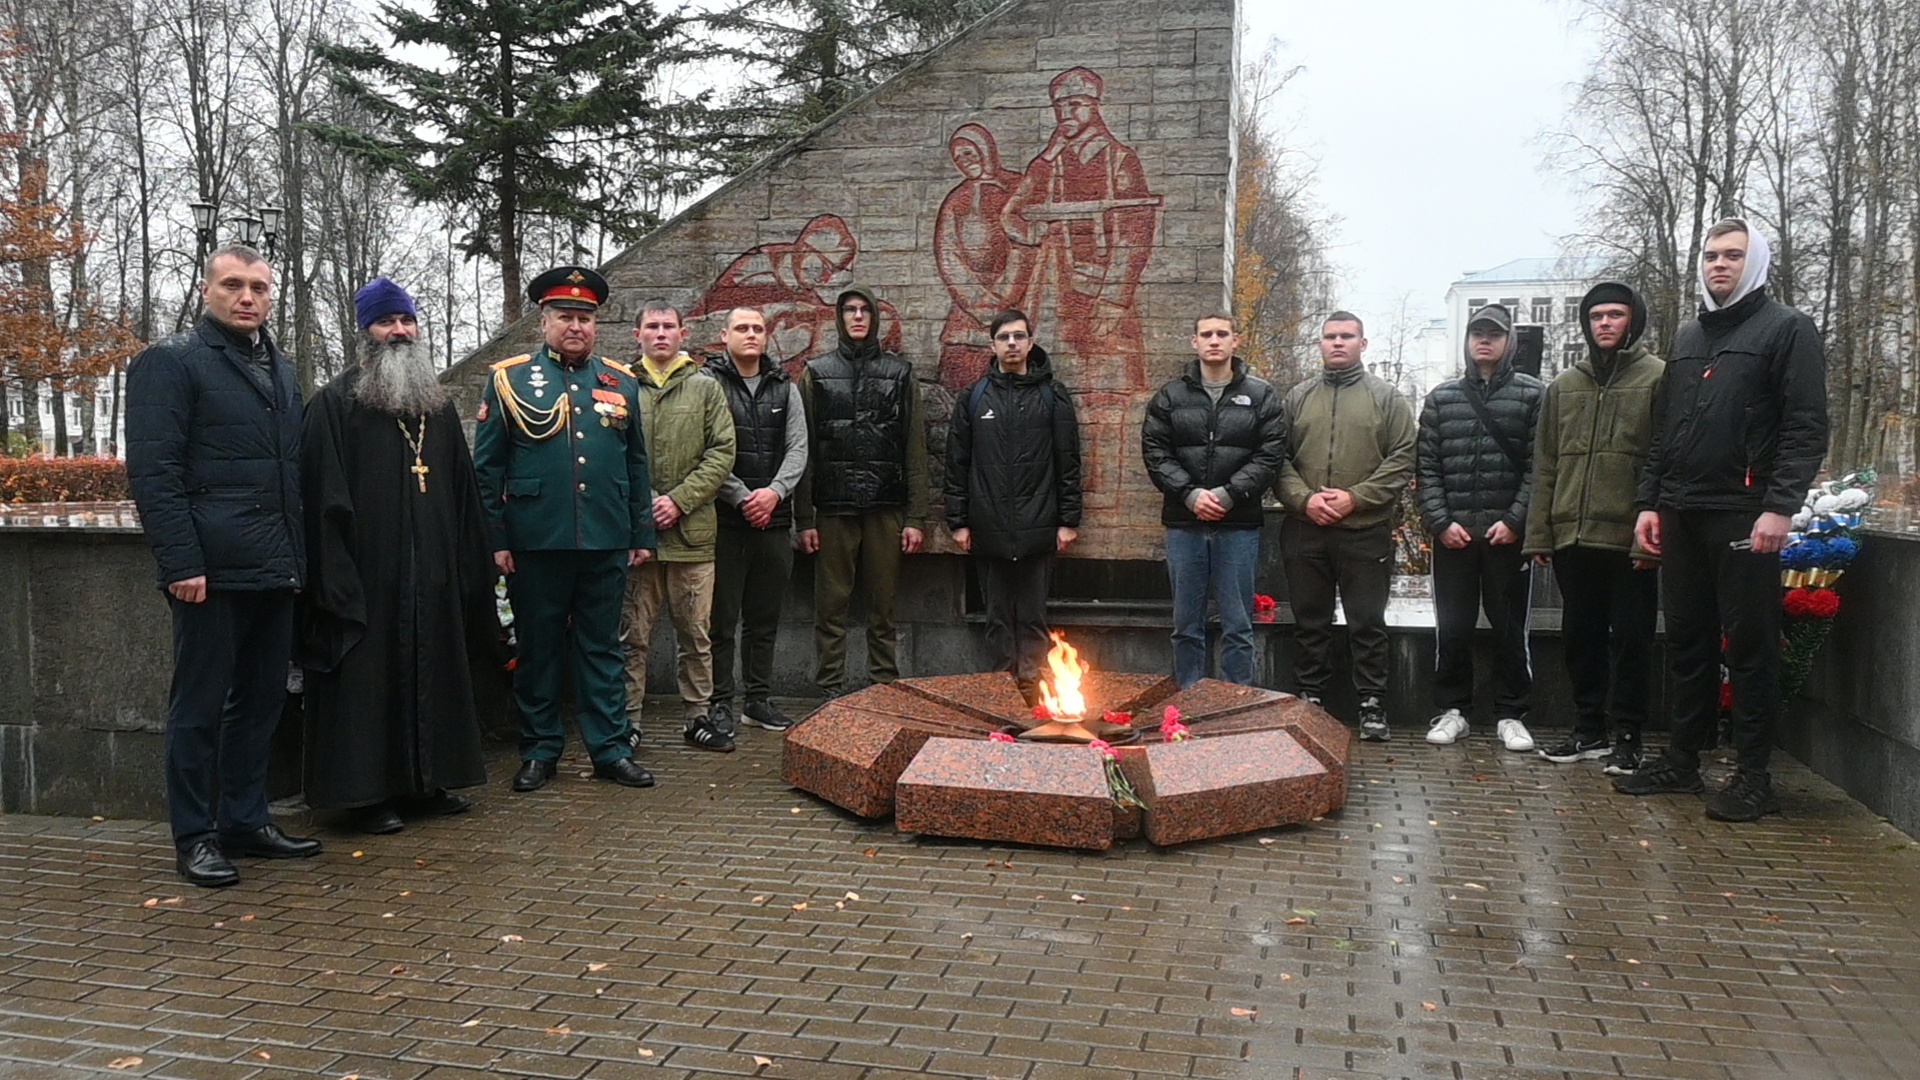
(205, 217)
(259, 228)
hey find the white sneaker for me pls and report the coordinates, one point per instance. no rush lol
(1514, 734)
(1442, 730)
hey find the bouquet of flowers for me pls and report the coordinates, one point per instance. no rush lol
(1824, 541)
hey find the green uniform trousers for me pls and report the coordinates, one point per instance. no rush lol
(862, 549)
(751, 571)
(547, 588)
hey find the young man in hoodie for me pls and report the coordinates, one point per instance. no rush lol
(866, 491)
(753, 559)
(1595, 429)
(1212, 439)
(1741, 433)
(1475, 476)
(1350, 450)
(690, 446)
(1013, 491)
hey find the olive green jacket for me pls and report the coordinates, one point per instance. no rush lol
(1353, 431)
(690, 445)
(1589, 453)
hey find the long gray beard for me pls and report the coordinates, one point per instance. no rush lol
(397, 378)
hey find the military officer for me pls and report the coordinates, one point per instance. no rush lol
(563, 474)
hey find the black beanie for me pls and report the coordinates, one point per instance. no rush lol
(1608, 292)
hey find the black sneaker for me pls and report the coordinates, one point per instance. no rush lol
(1663, 777)
(1626, 759)
(722, 715)
(633, 734)
(1576, 747)
(701, 732)
(1747, 797)
(1373, 720)
(764, 714)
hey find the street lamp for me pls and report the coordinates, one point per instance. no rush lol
(250, 231)
(270, 218)
(205, 217)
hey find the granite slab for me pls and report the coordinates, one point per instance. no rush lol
(1047, 795)
(850, 758)
(1199, 789)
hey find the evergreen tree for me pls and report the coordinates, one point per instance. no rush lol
(550, 109)
(804, 59)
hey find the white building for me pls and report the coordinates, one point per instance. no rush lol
(1543, 292)
(16, 419)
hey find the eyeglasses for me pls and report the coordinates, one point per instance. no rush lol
(1012, 337)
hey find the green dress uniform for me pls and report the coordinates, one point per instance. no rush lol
(562, 464)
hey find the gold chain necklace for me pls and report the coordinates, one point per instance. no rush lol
(419, 469)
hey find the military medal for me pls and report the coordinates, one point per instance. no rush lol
(419, 469)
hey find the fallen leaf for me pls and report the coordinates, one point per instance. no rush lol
(762, 1062)
(359, 854)
(97, 817)
(1078, 899)
(561, 1030)
(263, 1055)
(221, 925)
(511, 938)
(124, 1062)
(1238, 1011)
(171, 900)
(398, 971)
(853, 896)
(420, 862)
(967, 936)
(1398, 880)
(801, 906)
(409, 892)
(471, 1023)
(596, 967)
(1648, 844)
(151, 901)
(386, 914)
(1308, 912)
(1296, 921)
(1429, 1006)
(1284, 977)
(839, 905)
(1474, 885)
(761, 899)
(644, 1052)
(795, 810)
(1632, 961)
(247, 917)
(871, 852)
(1770, 917)
(1268, 840)
(1430, 821)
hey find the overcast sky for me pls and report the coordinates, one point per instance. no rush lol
(1426, 119)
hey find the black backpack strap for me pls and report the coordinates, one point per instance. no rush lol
(1507, 445)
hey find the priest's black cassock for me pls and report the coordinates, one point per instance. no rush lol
(399, 595)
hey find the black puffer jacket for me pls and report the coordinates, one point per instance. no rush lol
(1190, 442)
(1013, 461)
(213, 458)
(1465, 477)
(1741, 420)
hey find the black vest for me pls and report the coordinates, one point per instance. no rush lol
(760, 433)
(859, 428)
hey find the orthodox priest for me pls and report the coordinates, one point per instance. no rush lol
(401, 587)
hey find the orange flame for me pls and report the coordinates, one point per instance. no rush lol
(1061, 695)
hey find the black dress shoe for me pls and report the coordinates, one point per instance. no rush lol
(268, 842)
(204, 865)
(533, 775)
(379, 819)
(441, 803)
(626, 772)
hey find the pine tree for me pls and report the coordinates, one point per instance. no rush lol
(538, 109)
(805, 59)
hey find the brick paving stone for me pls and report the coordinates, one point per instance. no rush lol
(1780, 949)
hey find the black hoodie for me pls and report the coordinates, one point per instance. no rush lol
(1013, 461)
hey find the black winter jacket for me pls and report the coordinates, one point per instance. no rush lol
(1013, 461)
(1740, 423)
(1465, 477)
(213, 458)
(1190, 442)
(760, 419)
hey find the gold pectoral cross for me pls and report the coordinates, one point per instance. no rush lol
(419, 468)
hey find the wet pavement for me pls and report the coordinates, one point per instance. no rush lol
(1471, 913)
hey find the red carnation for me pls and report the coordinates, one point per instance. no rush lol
(1825, 603)
(1726, 697)
(1040, 713)
(1001, 736)
(1264, 604)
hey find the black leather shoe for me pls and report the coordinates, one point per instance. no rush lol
(533, 775)
(626, 772)
(204, 865)
(378, 820)
(441, 803)
(268, 842)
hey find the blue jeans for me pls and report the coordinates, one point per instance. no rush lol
(1214, 560)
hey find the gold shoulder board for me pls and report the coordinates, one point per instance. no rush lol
(619, 367)
(512, 361)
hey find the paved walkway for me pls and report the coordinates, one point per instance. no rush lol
(1471, 914)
